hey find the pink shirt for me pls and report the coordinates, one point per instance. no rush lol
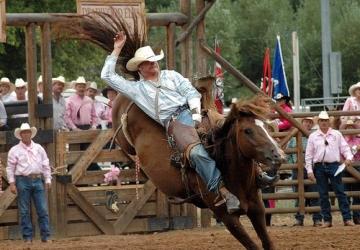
(351, 104)
(354, 141)
(317, 151)
(284, 124)
(100, 110)
(80, 111)
(26, 160)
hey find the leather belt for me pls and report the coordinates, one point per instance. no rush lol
(325, 163)
(32, 176)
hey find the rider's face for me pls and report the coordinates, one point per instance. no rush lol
(148, 68)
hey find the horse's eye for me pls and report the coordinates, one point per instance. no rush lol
(248, 131)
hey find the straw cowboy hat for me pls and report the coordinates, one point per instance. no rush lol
(59, 79)
(39, 80)
(324, 115)
(6, 81)
(79, 80)
(19, 82)
(348, 123)
(23, 127)
(353, 88)
(92, 85)
(308, 118)
(141, 55)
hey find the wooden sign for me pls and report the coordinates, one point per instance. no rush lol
(123, 7)
(2, 21)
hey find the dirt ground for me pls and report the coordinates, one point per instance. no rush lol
(284, 235)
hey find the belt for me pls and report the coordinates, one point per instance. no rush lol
(325, 163)
(83, 127)
(176, 113)
(32, 176)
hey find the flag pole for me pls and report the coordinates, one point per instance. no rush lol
(296, 71)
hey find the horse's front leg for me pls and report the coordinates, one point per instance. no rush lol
(256, 214)
(232, 223)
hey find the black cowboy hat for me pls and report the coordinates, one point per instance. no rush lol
(105, 91)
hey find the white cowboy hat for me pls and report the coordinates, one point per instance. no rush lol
(39, 80)
(353, 88)
(79, 80)
(324, 115)
(6, 81)
(92, 85)
(19, 82)
(23, 127)
(59, 79)
(141, 55)
(308, 118)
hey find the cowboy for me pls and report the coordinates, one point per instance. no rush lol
(20, 90)
(100, 108)
(80, 109)
(163, 94)
(7, 89)
(322, 159)
(308, 123)
(29, 174)
(59, 104)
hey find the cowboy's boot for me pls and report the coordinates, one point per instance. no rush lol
(231, 201)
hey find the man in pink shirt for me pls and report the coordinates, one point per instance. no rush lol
(322, 159)
(80, 109)
(27, 170)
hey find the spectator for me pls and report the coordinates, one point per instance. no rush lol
(3, 118)
(354, 144)
(322, 158)
(80, 109)
(20, 90)
(100, 108)
(40, 88)
(111, 94)
(308, 123)
(352, 103)
(7, 90)
(59, 105)
(284, 103)
(27, 170)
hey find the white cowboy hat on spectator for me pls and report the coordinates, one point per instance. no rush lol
(143, 54)
(19, 82)
(324, 115)
(6, 81)
(39, 80)
(23, 127)
(79, 80)
(348, 123)
(353, 88)
(308, 118)
(92, 85)
(59, 79)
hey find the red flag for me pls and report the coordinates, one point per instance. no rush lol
(266, 83)
(219, 83)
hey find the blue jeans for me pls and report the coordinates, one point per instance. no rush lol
(34, 189)
(323, 174)
(314, 202)
(205, 166)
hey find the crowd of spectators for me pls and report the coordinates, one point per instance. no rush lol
(85, 108)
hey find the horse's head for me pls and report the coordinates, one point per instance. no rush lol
(244, 126)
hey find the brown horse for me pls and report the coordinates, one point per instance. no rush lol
(237, 144)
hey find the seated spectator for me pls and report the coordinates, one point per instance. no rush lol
(354, 143)
(284, 103)
(100, 107)
(7, 90)
(111, 94)
(352, 103)
(3, 118)
(20, 90)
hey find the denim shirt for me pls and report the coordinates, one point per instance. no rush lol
(174, 91)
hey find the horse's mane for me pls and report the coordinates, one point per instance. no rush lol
(100, 28)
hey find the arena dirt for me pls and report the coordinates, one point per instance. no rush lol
(284, 235)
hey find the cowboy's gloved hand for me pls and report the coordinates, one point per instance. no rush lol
(197, 119)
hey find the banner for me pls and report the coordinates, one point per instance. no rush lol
(219, 83)
(266, 81)
(278, 72)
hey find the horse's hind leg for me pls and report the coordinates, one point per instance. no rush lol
(256, 214)
(233, 224)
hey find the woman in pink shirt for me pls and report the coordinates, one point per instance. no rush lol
(352, 103)
(284, 103)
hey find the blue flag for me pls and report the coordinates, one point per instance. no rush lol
(278, 72)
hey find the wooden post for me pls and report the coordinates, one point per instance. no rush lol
(170, 34)
(300, 176)
(186, 45)
(30, 44)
